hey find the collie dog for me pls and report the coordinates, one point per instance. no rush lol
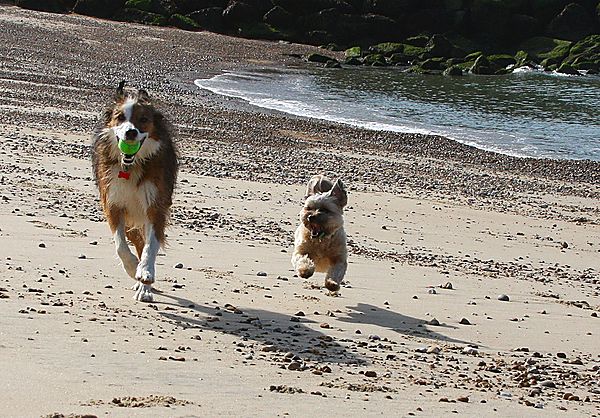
(135, 167)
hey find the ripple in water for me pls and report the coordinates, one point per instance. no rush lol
(527, 114)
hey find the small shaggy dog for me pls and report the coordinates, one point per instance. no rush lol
(135, 167)
(320, 239)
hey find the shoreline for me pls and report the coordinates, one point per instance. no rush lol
(437, 230)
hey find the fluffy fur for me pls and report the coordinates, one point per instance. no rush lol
(135, 191)
(320, 239)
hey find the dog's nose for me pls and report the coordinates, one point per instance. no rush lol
(131, 134)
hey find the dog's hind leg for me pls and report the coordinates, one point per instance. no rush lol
(145, 270)
(335, 275)
(303, 265)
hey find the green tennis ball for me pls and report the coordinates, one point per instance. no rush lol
(129, 149)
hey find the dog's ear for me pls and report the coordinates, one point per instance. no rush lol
(318, 184)
(120, 90)
(339, 192)
(143, 96)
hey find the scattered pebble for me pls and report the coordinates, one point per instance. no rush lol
(503, 298)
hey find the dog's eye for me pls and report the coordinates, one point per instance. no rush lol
(121, 117)
(144, 119)
(324, 211)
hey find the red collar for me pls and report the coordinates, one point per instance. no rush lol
(124, 175)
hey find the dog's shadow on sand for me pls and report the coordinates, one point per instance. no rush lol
(368, 314)
(286, 334)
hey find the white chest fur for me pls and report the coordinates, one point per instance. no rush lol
(134, 198)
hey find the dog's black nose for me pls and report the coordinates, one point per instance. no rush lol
(131, 134)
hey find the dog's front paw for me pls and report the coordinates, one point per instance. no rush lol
(143, 293)
(145, 273)
(305, 267)
(332, 285)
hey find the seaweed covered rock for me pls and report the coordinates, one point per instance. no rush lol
(183, 22)
(481, 66)
(453, 71)
(547, 51)
(141, 16)
(160, 7)
(186, 7)
(567, 69)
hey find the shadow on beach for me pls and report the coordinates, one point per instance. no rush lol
(286, 335)
(402, 324)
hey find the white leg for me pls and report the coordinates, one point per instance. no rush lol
(130, 261)
(145, 270)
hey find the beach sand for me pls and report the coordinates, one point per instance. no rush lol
(437, 232)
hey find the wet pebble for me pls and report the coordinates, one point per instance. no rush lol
(178, 266)
(262, 274)
(503, 298)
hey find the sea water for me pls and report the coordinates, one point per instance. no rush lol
(525, 114)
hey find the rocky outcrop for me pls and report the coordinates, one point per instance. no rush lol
(425, 36)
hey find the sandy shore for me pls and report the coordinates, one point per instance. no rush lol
(437, 232)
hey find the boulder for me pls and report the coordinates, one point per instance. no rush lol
(419, 40)
(585, 51)
(98, 8)
(481, 66)
(453, 71)
(140, 16)
(210, 18)
(161, 7)
(440, 46)
(391, 8)
(434, 64)
(353, 52)
(573, 23)
(183, 22)
(53, 6)
(365, 29)
(353, 61)
(239, 13)
(399, 59)
(428, 20)
(541, 48)
(501, 61)
(387, 48)
(322, 59)
(186, 7)
(523, 59)
(279, 18)
(374, 59)
(567, 69)
(304, 7)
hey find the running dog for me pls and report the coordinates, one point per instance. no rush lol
(320, 239)
(135, 166)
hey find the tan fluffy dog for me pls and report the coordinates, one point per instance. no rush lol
(320, 239)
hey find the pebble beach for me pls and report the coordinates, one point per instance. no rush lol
(473, 280)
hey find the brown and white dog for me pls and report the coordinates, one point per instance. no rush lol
(135, 189)
(320, 239)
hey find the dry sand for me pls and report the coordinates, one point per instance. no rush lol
(437, 231)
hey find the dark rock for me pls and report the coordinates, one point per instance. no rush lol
(140, 16)
(387, 48)
(239, 13)
(210, 18)
(501, 61)
(98, 8)
(183, 22)
(573, 23)
(333, 64)
(465, 321)
(503, 298)
(374, 59)
(452, 71)
(322, 59)
(53, 6)
(305, 7)
(279, 17)
(392, 8)
(160, 7)
(428, 20)
(188, 6)
(481, 66)
(433, 64)
(419, 40)
(440, 46)
(567, 69)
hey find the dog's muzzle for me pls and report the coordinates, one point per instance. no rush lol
(129, 141)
